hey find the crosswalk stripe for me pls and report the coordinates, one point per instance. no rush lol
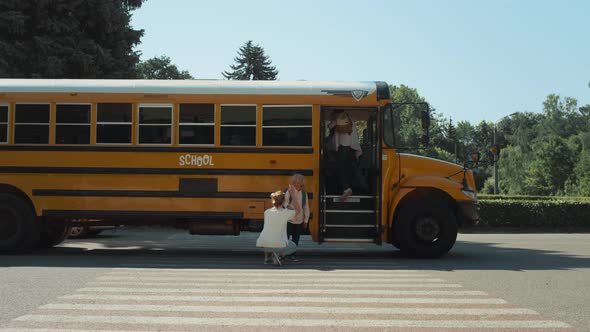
(224, 321)
(327, 280)
(295, 291)
(288, 299)
(202, 284)
(303, 286)
(291, 309)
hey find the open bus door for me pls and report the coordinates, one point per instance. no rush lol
(358, 218)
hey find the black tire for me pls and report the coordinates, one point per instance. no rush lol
(425, 228)
(19, 228)
(53, 233)
(394, 240)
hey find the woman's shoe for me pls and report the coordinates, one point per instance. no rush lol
(347, 193)
(276, 260)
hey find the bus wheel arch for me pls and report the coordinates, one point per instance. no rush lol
(19, 227)
(425, 223)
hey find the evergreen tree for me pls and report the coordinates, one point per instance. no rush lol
(68, 39)
(161, 68)
(251, 64)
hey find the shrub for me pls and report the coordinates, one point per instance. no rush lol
(530, 213)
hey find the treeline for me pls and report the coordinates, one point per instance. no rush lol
(545, 153)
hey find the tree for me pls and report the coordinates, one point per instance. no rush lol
(562, 116)
(251, 64)
(161, 68)
(582, 172)
(552, 165)
(68, 39)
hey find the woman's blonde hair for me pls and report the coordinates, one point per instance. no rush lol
(278, 198)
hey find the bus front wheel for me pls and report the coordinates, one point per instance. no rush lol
(425, 228)
(19, 228)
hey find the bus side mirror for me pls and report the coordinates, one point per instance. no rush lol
(425, 119)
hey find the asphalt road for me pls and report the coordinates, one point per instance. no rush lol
(163, 279)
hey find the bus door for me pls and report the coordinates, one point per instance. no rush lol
(350, 161)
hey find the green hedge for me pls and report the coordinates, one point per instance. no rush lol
(531, 214)
(531, 198)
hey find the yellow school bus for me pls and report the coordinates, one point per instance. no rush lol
(204, 155)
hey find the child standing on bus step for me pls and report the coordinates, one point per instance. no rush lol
(345, 143)
(300, 221)
(273, 237)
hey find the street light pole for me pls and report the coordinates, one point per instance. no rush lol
(496, 157)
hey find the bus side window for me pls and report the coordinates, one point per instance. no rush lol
(196, 124)
(3, 123)
(155, 124)
(114, 123)
(31, 124)
(238, 125)
(286, 125)
(72, 124)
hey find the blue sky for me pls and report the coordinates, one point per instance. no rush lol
(472, 60)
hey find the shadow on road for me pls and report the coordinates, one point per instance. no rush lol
(146, 253)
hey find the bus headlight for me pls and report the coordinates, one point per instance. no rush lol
(470, 194)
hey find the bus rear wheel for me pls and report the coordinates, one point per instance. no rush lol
(19, 229)
(426, 229)
(53, 233)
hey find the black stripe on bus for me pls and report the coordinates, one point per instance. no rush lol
(171, 171)
(150, 193)
(167, 214)
(95, 148)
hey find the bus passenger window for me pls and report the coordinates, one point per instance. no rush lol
(196, 124)
(286, 125)
(238, 125)
(3, 123)
(31, 124)
(72, 124)
(113, 123)
(155, 124)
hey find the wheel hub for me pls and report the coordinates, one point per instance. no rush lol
(427, 229)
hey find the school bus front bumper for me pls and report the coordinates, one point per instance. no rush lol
(468, 213)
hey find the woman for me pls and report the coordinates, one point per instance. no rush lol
(345, 143)
(273, 237)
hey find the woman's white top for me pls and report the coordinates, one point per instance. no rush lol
(274, 232)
